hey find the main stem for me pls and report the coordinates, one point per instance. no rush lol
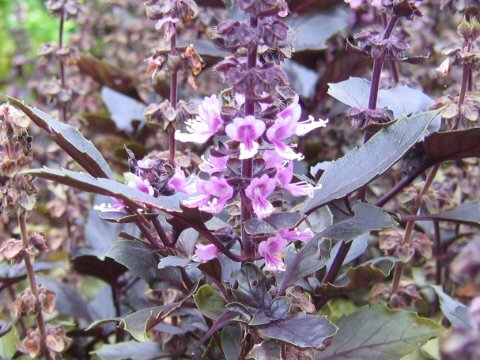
(378, 65)
(375, 87)
(33, 285)
(173, 100)
(247, 164)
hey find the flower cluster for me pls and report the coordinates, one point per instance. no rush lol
(258, 119)
(57, 342)
(265, 141)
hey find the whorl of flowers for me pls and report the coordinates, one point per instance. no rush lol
(260, 117)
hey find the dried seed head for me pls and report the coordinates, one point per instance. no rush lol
(31, 345)
(47, 299)
(26, 304)
(13, 250)
(57, 340)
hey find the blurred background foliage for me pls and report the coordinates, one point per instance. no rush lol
(40, 28)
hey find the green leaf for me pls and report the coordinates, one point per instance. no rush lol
(301, 330)
(231, 337)
(402, 100)
(431, 350)
(8, 343)
(454, 311)
(132, 350)
(140, 322)
(361, 165)
(378, 333)
(143, 262)
(129, 195)
(209, 302)
(69, 139)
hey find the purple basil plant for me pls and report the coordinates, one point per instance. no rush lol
(226, 225)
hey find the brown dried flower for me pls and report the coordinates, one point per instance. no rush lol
(13, 250)
(26, 304)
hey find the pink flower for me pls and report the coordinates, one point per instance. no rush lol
(271, 249)
(246, 131)
(205, 125)
(213, 197)
(286, 125)
(305, 126)
(272, 159)
(295, 234)
(133, 181)
(284, 128)
(284, 177)
(214, 164)
(117, 206)
(257, 192)
(205, 252)
(137, 182)
(179, 182)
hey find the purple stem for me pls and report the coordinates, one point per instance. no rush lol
(378, 65)
(438, 253)
(173, 100)
(247, 164)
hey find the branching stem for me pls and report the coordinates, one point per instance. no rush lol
(22, 222)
